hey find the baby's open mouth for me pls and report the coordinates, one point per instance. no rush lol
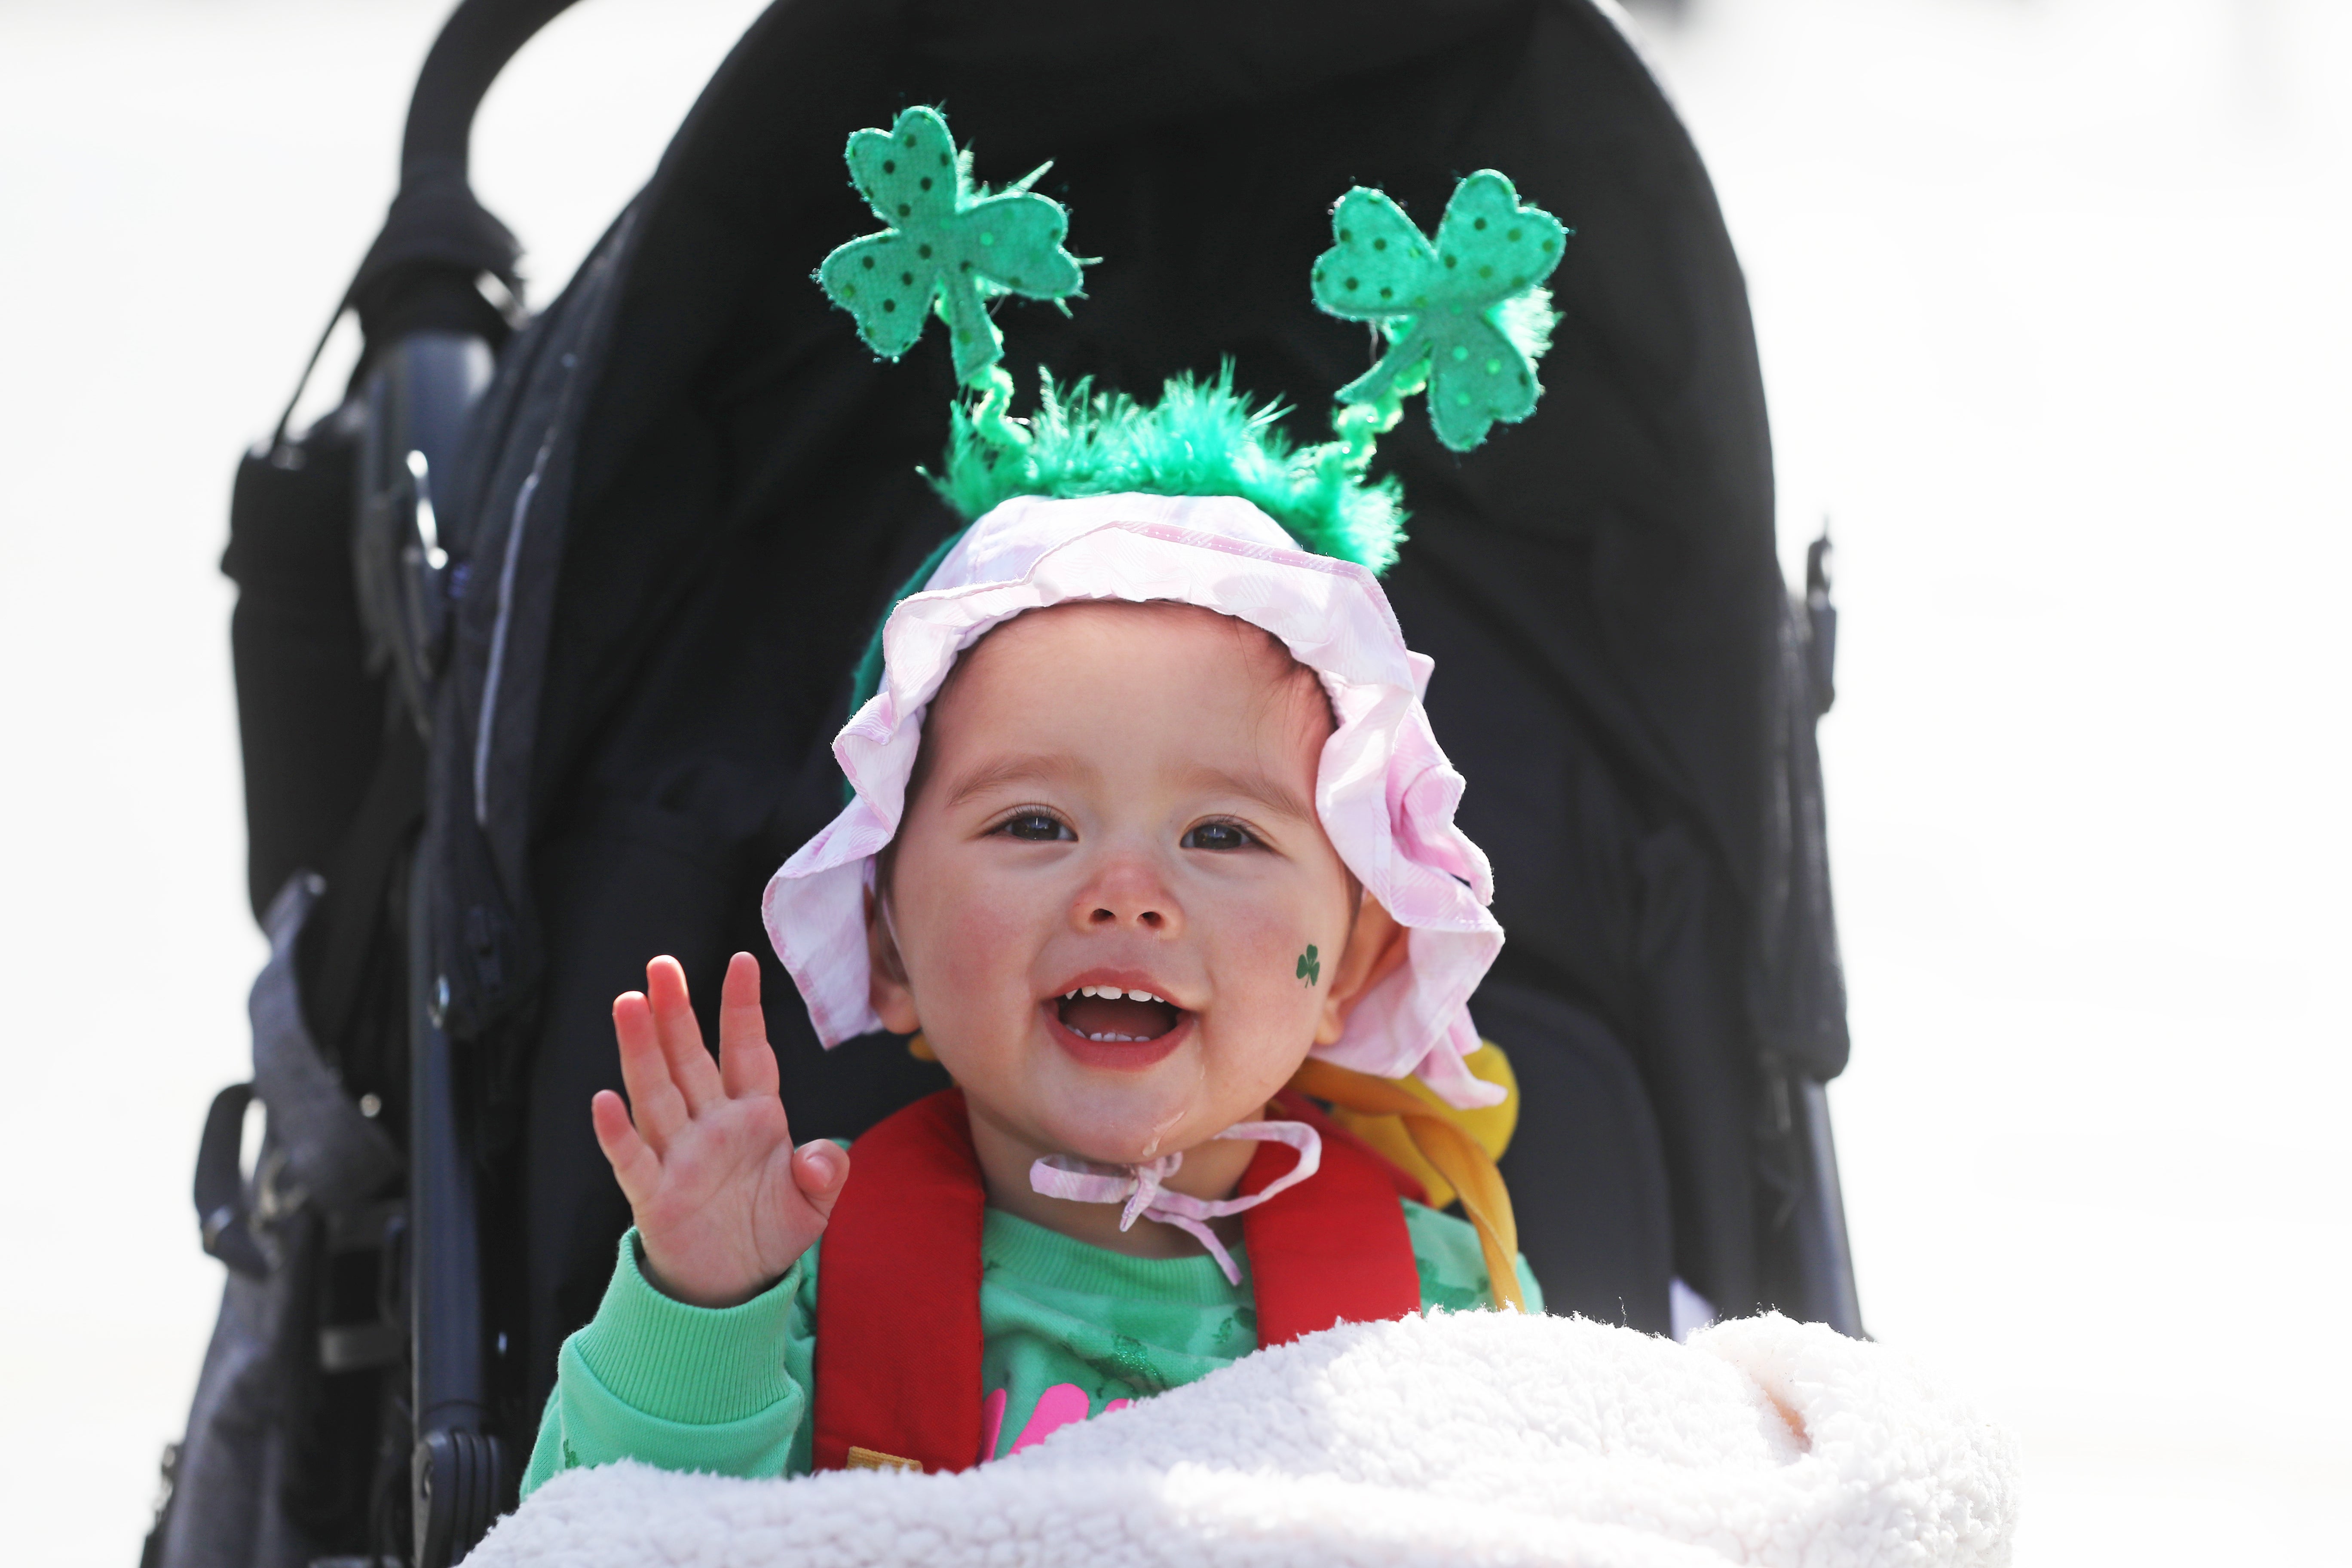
(1111, 1015)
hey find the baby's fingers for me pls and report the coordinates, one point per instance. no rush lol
(747, 1063)
(820, 1169)
(645, 1070)
(635, 1166)
(690, 1067)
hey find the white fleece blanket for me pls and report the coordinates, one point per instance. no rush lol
(1477, 1438)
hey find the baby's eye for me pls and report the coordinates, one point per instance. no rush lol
(1219, 836)
(1034, 827)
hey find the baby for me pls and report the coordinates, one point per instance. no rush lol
(1146, 813)
(1113, 912)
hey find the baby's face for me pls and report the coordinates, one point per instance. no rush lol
(1118, 799)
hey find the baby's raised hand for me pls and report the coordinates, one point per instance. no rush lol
(723, 1202)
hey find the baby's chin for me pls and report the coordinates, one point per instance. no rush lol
(1131, 1118)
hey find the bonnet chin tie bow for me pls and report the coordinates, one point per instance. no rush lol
(1138, 1186)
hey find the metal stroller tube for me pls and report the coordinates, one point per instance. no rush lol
(1824, 1252)
(457, 1471)
(415, 400)
(432, 335)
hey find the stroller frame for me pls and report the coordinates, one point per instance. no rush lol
(436, 298)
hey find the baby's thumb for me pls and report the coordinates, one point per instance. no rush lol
(820, 1169)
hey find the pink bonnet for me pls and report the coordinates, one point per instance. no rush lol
(1384, 791)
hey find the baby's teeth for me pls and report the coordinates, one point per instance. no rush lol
(1142, 996)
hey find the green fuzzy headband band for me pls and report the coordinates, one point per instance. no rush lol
(1465, 318)
(1202, 438)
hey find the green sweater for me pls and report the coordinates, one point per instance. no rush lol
(1069, 1331)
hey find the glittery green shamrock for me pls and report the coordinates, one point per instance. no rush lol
(947, 241)
(1465, 318)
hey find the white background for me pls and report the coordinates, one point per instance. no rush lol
(2051, 299)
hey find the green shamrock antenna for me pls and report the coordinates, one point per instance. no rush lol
(950, 245)
(1465, 318)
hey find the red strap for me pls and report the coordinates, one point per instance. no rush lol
(897, 1292)
(898, 1295)
(1334, 1249)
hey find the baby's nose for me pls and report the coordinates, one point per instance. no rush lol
(1126, 896)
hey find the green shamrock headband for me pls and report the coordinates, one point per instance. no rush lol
(1465, 319)
(950, 246)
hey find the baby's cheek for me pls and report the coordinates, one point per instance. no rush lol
(967, 945)
(986, 945)
(1273, 968)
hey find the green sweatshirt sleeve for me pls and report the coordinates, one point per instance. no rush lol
(682, 1387)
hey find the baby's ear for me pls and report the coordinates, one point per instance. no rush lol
(886, 986)
(1376, 950)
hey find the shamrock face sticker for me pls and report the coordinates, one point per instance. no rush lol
(1448, 308)
(947, 242)
(1311, 967)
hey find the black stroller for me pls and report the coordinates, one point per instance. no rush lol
(543, 634)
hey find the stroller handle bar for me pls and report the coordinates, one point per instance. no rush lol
(474, 46)
(428, 268)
